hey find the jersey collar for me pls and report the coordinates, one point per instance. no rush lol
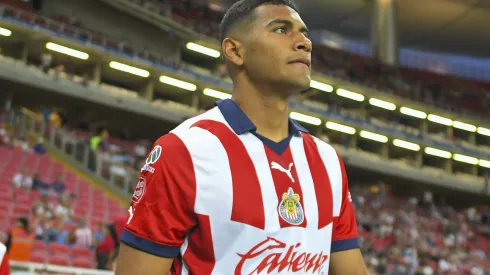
(241, 124)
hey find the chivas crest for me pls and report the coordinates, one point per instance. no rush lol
(290, 208)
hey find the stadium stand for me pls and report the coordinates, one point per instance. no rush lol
(441, 239)
(442, 91)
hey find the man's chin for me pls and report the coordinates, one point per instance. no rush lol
(303, 84)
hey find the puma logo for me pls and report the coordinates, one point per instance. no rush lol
(277, 166)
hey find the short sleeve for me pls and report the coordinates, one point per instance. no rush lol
(162, 206)
(344, 235)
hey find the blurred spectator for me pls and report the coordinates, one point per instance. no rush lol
(22, 144)
(106, 251)
(38, 185)
(39, 148)
(59, 234)
(100, 234)
(42, 227)
(22, 180)
(83, 234)
(64, 211)
(4, 136)
(42, 208)
(54, 118)
(46, 61)
(140, 150)
(20, 240)
(99, 140)
(58, 186)
(58, 71)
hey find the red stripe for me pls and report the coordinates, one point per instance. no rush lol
(248, 205)
(321, 181)
(176, 266)
(282, 182)
(199, 255)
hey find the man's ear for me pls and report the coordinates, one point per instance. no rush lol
(233, 51)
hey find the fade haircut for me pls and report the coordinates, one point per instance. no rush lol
(242, 11)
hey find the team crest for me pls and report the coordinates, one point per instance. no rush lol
(290, 208)
(139, 191)
(152, 158)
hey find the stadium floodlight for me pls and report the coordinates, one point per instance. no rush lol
(465, 159)
(305, 118)
(413, 112)
(440, 120)
(5, 32)
(406, 145)
(129, 69)
(464, 126)
(178, 83)
(382, 104)
(438, 153)
(340, 128)
(374, 136)
(321, 86)
(216, 94)
(483, 131)
(350, 95)
(484, 163)
(65, 50)
(203, 50)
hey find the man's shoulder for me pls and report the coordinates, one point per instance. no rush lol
(323, 146)
(185, 133)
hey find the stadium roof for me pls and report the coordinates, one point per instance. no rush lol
(447, 26)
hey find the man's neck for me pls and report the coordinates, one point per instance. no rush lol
(266, 108)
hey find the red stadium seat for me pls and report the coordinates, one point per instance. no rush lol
(82, 262)
(37, 257)
(39, 246)
(81, 252)
(4, 207)
(59, 260)
(55, 249)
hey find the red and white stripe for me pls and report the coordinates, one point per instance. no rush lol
(237, 193)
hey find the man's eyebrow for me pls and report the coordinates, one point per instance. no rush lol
(287, 22)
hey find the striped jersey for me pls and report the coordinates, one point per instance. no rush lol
(222, 199)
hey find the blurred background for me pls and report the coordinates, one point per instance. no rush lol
(400, 88)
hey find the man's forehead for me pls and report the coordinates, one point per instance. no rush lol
(267, 13)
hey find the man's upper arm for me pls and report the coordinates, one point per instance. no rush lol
(344, 235)
(346, 257)
(131, 261)
(348, 262)
(162, 206)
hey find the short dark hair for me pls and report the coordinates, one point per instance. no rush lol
(243, 10)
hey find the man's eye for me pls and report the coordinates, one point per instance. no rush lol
(280, 30)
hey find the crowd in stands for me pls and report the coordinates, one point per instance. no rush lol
(49, 216)
(419, 236)
(434, 89)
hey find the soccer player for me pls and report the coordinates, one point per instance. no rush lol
(243, 189)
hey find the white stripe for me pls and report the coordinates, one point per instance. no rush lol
(331, 161)
(3, 251)
(183, 249)
(209, 187)
(257, 153)
(303, 170)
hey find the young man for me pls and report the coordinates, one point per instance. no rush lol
(242, 189)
